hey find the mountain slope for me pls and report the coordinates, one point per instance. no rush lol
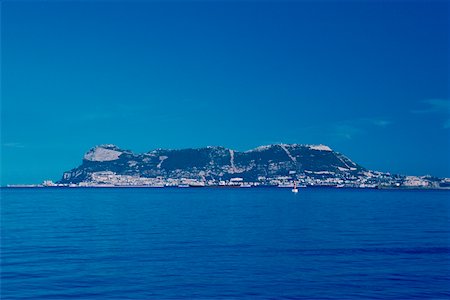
(215, 163)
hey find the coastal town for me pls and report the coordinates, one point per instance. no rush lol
(276, 165)
(368, 179)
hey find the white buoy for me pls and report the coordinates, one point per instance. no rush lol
(295, 190)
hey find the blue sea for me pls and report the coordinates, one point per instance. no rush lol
(212, 243)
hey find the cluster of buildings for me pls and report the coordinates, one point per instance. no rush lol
(368, 179)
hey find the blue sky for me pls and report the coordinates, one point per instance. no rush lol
(370, 79)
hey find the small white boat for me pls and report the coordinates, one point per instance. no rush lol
(295, 189)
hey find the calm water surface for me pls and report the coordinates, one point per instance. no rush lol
(224, 243)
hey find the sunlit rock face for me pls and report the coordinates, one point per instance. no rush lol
(103, 153)
(319, 147)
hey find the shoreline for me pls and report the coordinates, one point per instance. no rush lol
(221, 187)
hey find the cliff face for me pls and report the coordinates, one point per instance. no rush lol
(215, 163)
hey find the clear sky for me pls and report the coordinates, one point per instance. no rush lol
(368, 78)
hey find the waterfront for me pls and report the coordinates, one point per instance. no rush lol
(224, 243)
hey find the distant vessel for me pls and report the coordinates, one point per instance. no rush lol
(183, 185)
(295, 190)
